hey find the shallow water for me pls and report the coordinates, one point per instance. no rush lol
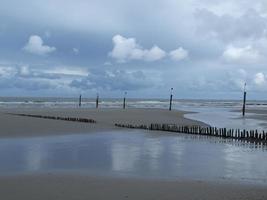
(139, 154)
(226, 118)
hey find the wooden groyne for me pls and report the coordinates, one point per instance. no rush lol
(248, 135)
(73, 119)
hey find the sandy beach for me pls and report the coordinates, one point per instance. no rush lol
(13, 125)
(73, 186)
(70, 187)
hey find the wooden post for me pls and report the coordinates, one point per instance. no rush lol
(97, 100)
(80, 100)
(170, 107)
(244, 101)
(124, 100)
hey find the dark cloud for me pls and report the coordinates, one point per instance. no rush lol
(25, 78)
(25, 83)
(113, 80)
(81, 32)
(26, 72)
(32, 84)
(226, 27)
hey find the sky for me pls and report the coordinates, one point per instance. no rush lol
(201, 48)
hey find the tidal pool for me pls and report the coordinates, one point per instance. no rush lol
(226, 118)
(138, 154)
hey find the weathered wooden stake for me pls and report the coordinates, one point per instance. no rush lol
(244, 101)
(170, 107)
(97, 100)
(253, 136)
(124, 100)
(80, 100)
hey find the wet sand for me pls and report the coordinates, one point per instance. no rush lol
(70, 187)
(14, 126)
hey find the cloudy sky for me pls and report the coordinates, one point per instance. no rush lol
(201, 48)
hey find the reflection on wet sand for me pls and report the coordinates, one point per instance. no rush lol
(139, 154)
(124, 156)
(34, 157)
(239, 165)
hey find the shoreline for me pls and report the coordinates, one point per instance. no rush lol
(21, 126)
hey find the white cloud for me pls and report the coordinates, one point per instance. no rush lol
(107, 63)
(35, 46)
(241, 54)
(259, 79)
(155, 53)
(24, 70)
(128, 49)
(76, 51)
(47, 34)
(67, 71)
(7, 71)
(179, 54)
(125, 48)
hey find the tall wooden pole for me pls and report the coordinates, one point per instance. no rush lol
(97, 101)
(124, 100)
(80, 100)
(244, 101)
(170, 107)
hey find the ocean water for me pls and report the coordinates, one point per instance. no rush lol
(217, 113)
(137, 154)
(188, 104)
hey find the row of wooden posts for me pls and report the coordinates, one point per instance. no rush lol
(171, 98)
(124, 100)
(73, 119)
(251, 135)
(248, 135)
(97, 101)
